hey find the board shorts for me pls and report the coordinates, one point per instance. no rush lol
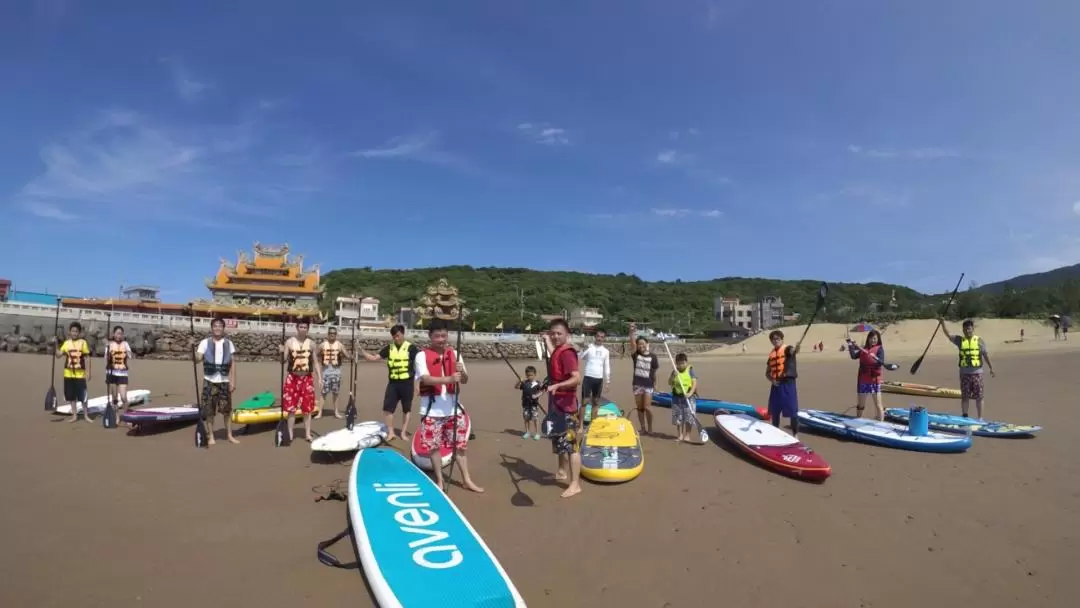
(591, 387)
(530, 412)
(784, 400)
(682, 411)
(869, 388)
(971, 386)
(117, 379)
(216, 399)
(565, 442)
(74, 389)
(299, 394)
(643, 390)
(444, 433)
(331, 380)
(395, 392)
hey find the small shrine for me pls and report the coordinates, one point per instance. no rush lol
(441, 302)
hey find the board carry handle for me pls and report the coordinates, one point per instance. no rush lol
(327, 559)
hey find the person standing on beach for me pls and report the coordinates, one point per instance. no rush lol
(782, 371)
(118, 358)
(401, 385)
(972, 354)
(332, 353)
(441, 425)
(530, 402)
(219, 379)
(567, 417)
(871, 359)
(597, 378)
(304, 373)
(644, 380)
(684, 386)
(76, 354)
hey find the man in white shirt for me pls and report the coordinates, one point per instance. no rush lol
(219, 379)
(597, 374)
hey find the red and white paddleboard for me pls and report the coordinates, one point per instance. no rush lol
(422, 457)
(773, 447)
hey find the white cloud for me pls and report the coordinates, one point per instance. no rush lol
(405, 146)
(544, 133)
(1076, 207)
(656, 214)
(677, 134)
(690, 165)
(668, 157)
(681, 212)
(912, 154)
(866, 194)
(49, 211)
(187, 86)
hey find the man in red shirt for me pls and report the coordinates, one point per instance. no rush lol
(563, 410)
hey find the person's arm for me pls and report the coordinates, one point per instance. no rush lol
(881, 356)
(86, 357)
(200, 350)
(517, 385)
(384, 353)
(945, 330)
(285, 350)
(853, 350)
(318, 370)
(607, 366)
(986, 355)
(58, 348)
(232, 368)
(693, 382)
(462, 372)
(652, 370)
(345, 354)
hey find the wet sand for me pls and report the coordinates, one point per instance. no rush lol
(97, 518)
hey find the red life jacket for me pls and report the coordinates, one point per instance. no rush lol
(558, 374)
(869, 367)
(439, 364)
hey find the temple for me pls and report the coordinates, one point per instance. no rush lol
(266, 284)
(441, 302)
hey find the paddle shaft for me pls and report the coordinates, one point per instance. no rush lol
(457, 401)
(822, 294)
(56, 347)
(200, 428)
(918, 362)
(685, 390)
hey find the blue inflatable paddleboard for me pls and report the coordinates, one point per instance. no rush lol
(887, 434)
(715, 406)
(948, 423)
(416, 548)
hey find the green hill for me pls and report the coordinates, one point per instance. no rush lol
(1049, 278)
(499, 295)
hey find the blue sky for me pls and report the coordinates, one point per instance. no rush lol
(903, 141)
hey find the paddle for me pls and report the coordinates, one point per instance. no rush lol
(823, 292)
(200, 426)
(918, 362)
(457, 402)
(689, 398)
(282, 437)
(350, 408)
(50, 395)
(108, 420)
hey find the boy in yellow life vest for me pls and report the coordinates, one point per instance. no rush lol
(76, 355)
(118, 358)
(684, 385)
(972, 355)
(332, 354)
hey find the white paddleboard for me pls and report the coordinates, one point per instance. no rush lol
(363, 435)
(97, 405)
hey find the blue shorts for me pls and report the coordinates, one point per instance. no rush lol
(784, 399)
(869, 388)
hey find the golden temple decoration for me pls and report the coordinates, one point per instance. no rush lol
(441, 302)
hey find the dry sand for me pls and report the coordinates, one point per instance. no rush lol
(96, 518)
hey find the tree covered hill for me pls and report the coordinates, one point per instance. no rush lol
(499, 295)
(1049, 278)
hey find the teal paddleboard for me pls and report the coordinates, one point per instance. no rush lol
(949, 423)
(608, 407)
(258, 402)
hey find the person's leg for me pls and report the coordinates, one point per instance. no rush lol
(879, 410)
(646, 400)
(432, 441)
(224, 407)
(209, 409)
(121, 390)
(792, 399)
(71, 395)
(85, 399)
(291, 402)
(307, 405)
(639, 404)
(978, 382)
(460, 437)
(573, 457)
(860, 402)
(389, 405)
(965, 394)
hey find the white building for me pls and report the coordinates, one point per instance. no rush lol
(585, 317)
(350, 310)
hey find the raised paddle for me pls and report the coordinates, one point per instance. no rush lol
(50, 395)
(200, 426)
(689, 398)
(823, 292)
(918, 362)
(282, 436)
(350, 408)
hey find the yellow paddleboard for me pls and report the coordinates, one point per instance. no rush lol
(922, 390)
(259, 416)
(611, 451)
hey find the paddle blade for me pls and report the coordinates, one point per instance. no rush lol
(200, 434)
(539, 353)
(915, 366)
(350, 414)
(282, 438)
(704, 436)
(822, 293)
(892, 367)
(50, 399)
(109, 419)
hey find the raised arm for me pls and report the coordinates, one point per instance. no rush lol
(944, 330)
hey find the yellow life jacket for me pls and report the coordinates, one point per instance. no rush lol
(117, 356)
(331, 353)
(969, 352)
(398, 361)
(680, 380)
(300, 357)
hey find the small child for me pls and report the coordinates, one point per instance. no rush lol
(530, 402)
(781, 371)
(684, 385)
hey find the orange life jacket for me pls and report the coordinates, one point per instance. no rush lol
(778, 363)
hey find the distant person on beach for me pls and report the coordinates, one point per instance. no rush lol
(565, 415)
(1021, 334)
(118, 358)
(972, 355)
(1057, 329)
(304, 372)
(76, 354)
(597, 374)
(530, 402)
(219, 379)
(821, 347)
(782, 371)
(441, 425)
(644, 380)
(684, 386)
(333, 354)
(401, 384)
(871, 359)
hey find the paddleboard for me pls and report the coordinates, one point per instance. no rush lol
(606, 408)
(921, 390)
(149, 415)
(415, 546)
(97, 405)
(773, 447)
(887, 434)
(422, 456)
(948, 423)
(260, 416)
(714, 406)
(611, 451)
(363, 435)
(262, 401)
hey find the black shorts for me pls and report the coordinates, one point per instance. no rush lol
(395, 392)
(111, 379)
(216, 399)
(591, 387)
(74, 389)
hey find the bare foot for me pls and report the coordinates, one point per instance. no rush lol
(232, 439)
(73, 419)
(338, 415)
(210, 441)
(307, 438)
(391, 437)
(404, 436)
(472, 486)
(88, 418)
(560, 475)
(571, 491)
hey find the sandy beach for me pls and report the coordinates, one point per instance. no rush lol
(98, 518)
